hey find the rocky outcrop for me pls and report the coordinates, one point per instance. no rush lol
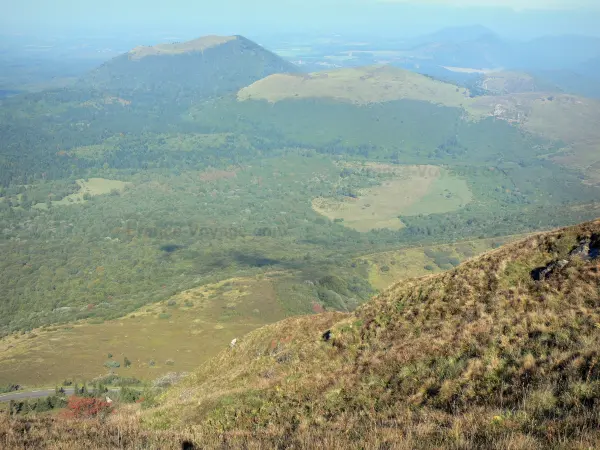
(588, 249)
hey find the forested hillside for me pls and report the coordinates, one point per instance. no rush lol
(207, 66)
(117, 196)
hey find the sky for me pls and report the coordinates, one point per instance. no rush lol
(521, 18)
(514, 4)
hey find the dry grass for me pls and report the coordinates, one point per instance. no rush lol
(107, 100)
(197, 45)
(356, 85)
(423, 356)
(387, 268)
(189, 328)
(481, 356)
(91, 187)
(502, 82)
(413, 431)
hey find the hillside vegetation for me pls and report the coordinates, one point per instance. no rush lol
(501, 352)
(208, 66)
(567, 120)
(189, 328)
(362, 85)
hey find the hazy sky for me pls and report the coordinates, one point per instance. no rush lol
(523, 18)
(515, 4)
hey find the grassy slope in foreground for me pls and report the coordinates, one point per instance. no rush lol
(480, 356)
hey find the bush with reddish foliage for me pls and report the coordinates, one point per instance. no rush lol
(317, 309)
(85, 407)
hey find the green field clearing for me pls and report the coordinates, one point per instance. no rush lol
(446, 193)
(188, 329)
(91, 187)
(412, 190)
(567, 119)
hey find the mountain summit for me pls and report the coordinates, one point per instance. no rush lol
(208, 66)
(178, 48)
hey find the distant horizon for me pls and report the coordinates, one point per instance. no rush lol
(155, 37)
(389, 18)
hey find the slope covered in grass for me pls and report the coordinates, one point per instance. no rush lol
(483, 355)
(361, 86)
(500, 352)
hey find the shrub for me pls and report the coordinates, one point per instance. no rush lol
(86, 407)
(169, 379)
(317, 309)
(116, 380)
(9, 388)
(128, 395)
(541, 402)
(112, 364)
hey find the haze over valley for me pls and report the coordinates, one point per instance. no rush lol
(318, 236)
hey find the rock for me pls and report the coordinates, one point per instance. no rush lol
(582, 250)
(232, 344)
(543, 273)
(588, 248)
